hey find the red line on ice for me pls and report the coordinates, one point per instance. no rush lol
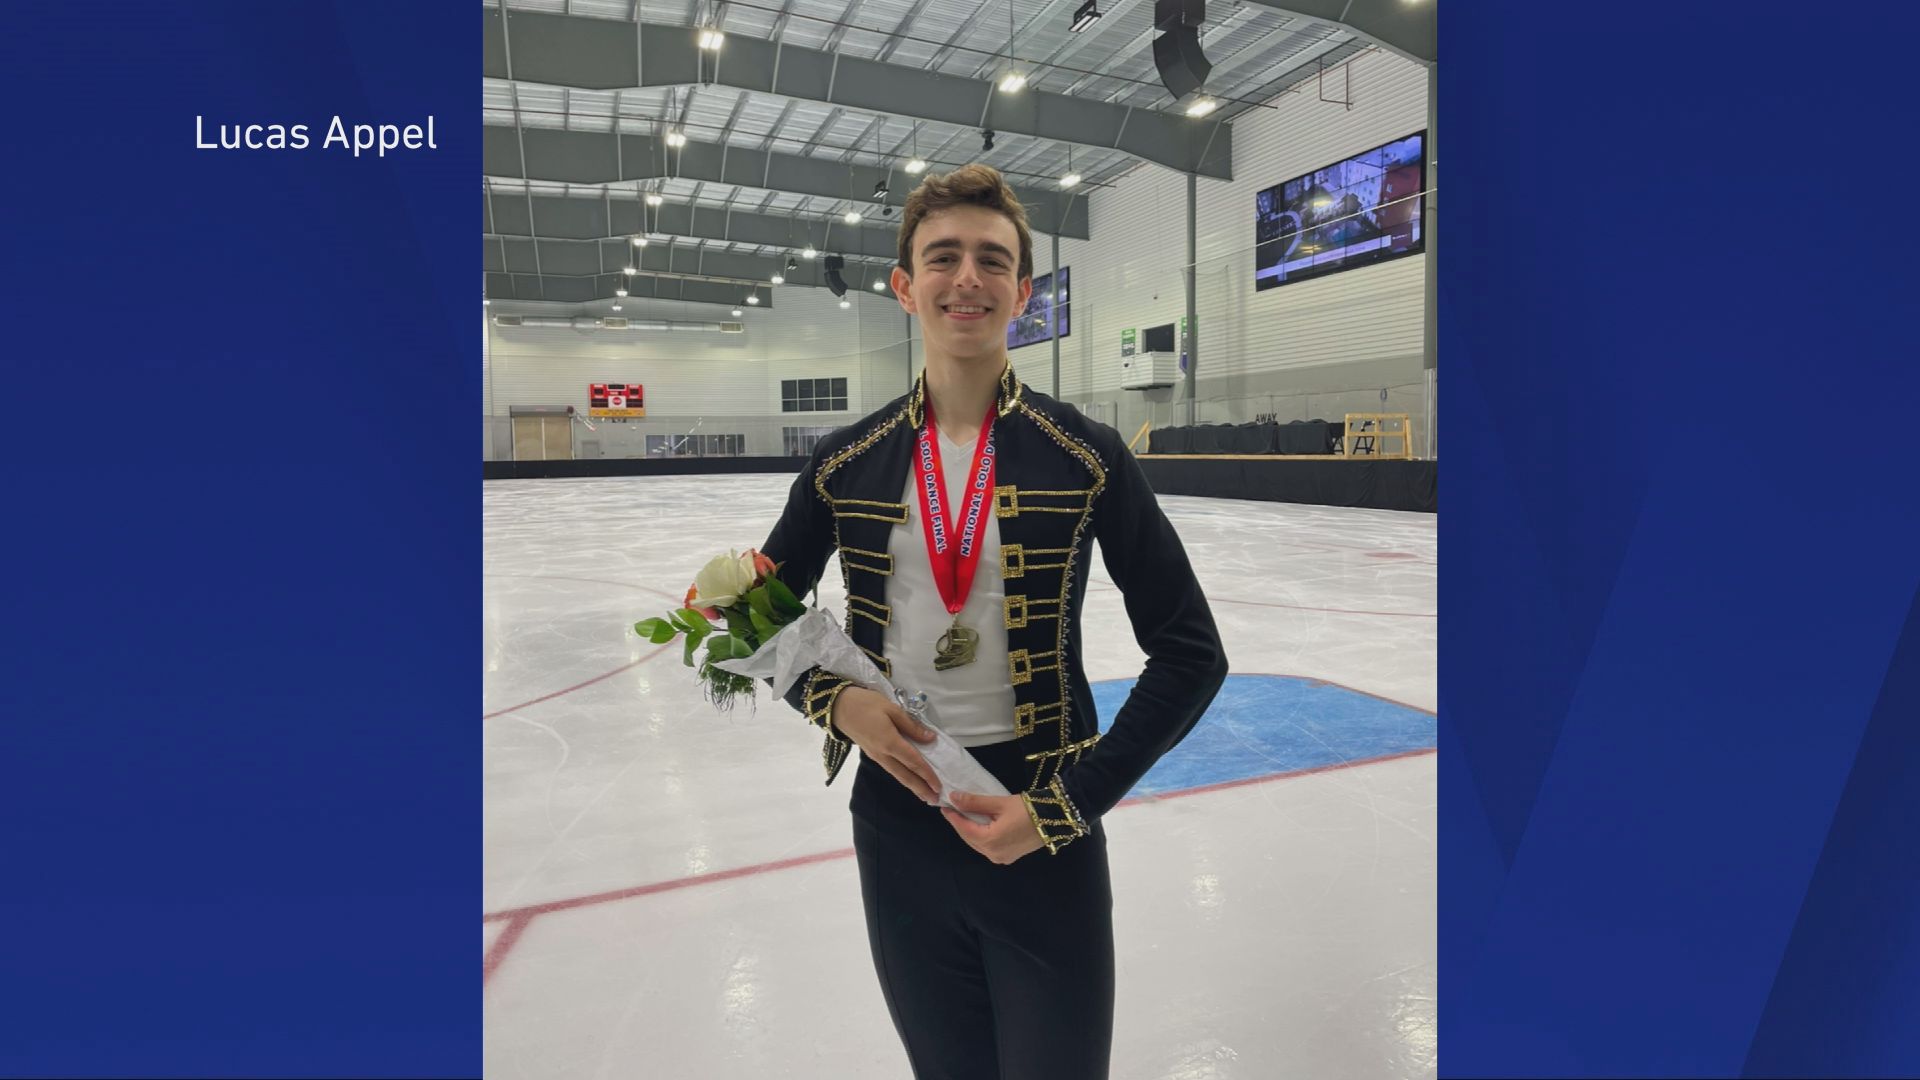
(517, 918)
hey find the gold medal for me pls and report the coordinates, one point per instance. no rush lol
(955, 647)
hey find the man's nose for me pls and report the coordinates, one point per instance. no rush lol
(969, 275)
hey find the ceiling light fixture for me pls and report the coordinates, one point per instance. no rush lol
(1088, 14)
(853, 217)
(639, 241)
(844, 304)
(879, 286)
(879, 191)
(711, 40)
(778, 280)
(1070, 179)
(676, 139)
(631, 270)
(1202, 106)
(736, 313)
(809, 253)
(654, 200)
(619, 292)
(792, 266)
(616, 307)
(916, 164)
(1013, 79)
(754, 299)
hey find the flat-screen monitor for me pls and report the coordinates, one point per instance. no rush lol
(1048, 312)
(1158, 339)
(1357, 212)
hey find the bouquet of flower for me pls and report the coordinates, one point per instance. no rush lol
(770, 634)
(734, 606)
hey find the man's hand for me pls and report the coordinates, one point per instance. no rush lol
(881, 728)
(1007, 837)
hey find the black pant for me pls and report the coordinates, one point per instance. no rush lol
(990, 972)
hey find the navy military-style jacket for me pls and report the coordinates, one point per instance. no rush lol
(1062, 482)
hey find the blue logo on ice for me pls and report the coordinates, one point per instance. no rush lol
(1264, 724)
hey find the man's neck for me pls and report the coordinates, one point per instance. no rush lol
(962, 390)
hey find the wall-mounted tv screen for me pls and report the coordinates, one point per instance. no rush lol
(1048, 312)
(1357, 212)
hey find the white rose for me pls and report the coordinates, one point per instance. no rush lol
(722, 580)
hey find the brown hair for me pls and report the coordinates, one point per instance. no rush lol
(968, 185)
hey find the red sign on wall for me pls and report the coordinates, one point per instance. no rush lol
(616, 400)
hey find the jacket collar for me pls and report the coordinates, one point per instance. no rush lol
(1006, 399)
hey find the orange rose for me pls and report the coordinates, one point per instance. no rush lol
(762, 566)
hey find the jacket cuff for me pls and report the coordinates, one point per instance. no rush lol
(1054, 816)
(822, 690)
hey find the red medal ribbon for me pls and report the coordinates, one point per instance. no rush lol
(953, 563)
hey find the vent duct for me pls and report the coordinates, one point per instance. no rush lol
(615, 322)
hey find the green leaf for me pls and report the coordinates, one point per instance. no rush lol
(694, 637)
(724, 647)
(695, 620)
(657, 631)
(760, 600)
(763, 627)
(737, 622)
(784, 601)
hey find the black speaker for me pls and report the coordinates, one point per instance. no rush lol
(1176, 52)
(834, 281)
(1168, 14)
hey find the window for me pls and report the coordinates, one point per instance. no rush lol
(813, 395)
(800, 441)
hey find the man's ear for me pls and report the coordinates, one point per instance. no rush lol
(902, 285)
(1026, 294)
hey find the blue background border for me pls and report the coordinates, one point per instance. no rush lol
(243, 615)
(1679, 757)
(1678, 622)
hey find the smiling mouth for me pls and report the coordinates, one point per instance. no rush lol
(963, 309)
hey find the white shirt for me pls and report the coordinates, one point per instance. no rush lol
(972, 703)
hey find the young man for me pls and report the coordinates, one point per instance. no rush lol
(964, 514)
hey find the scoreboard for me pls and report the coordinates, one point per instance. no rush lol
(616, 401)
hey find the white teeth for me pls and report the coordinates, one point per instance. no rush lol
(963, 309)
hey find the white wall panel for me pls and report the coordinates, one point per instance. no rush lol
(726, 383)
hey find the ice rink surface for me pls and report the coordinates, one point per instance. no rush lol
(670, 892)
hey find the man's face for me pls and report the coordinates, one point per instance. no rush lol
(966, 283)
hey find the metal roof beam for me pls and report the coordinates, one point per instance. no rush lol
(564, 218)
(598, 54)
(595, 157)
(577, 259)
(582, 290)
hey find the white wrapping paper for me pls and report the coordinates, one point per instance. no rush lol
(817, 639)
